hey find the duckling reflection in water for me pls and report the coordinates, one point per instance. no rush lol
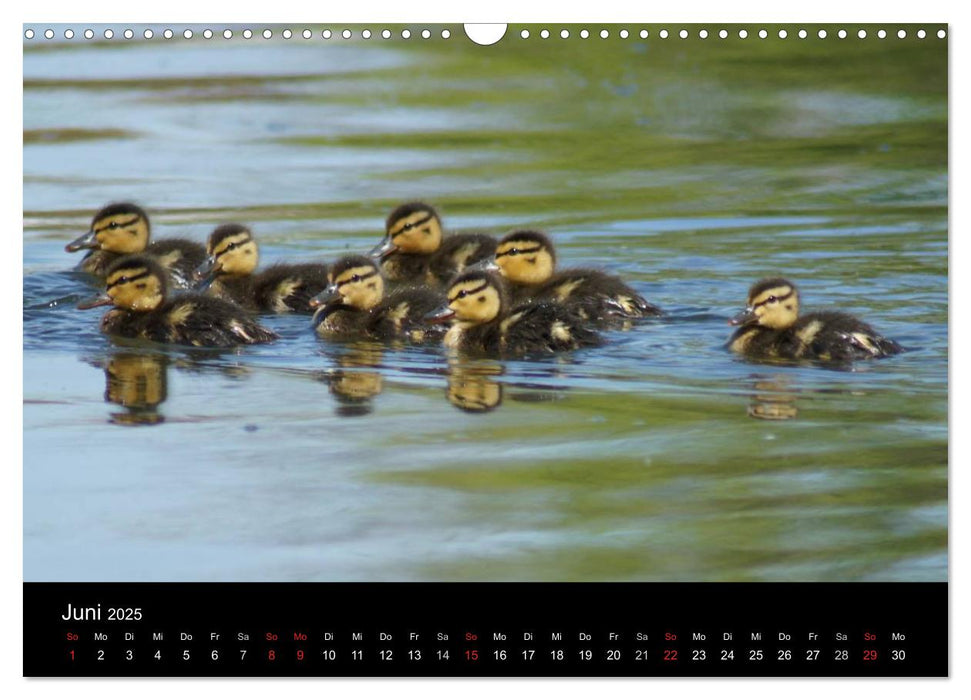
(415, 251)
(771, 328)
(352, 385)
(527, 261)
(471, 389)
(123, 229)
(774, 399)
(355, 305)
(137, 287)
(483, 322)
(229, 273)
(139, 383)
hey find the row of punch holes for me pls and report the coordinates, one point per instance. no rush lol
(524, 33)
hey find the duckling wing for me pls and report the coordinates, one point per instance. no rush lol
(459, 251)
(832, 335)
(406, 268)
(180, 257)
(545, 327)
(401, 315)
(199, 320)
(282, 288)
(597, 295)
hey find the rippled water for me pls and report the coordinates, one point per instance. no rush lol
(690, 168)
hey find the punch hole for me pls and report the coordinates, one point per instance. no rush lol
(861, 33)
(228, 34)
(901, 34)
(703, 34)
(941, 34)
(68, 33)
(683, 34)
(129, 34)
(386, 34)
(663, 33)
(524, 34)
(803, 33)
(148, 34)
(207, 33)
(109, 34)
(545, 34)
(723, 34)
(446, 34)
(604, 33)
(742, 34)
(89, 34)
(326, 34)
(267, 34)
(841, 33)
(644, 34)
(187, 34)
(168, 34)
(624, 33)
(882, 34)
(763, 34)
(783, 33)
(247, 34)
(346, 34)
(29, 34)
(564, 34)
(366, 34)
(821, 33)
(306, 34)
(425, 34)
(921, 34)
(584, 34)
(486, 34)
(287, 34)
(405, 33)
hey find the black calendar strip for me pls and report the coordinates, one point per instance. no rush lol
(150, 629)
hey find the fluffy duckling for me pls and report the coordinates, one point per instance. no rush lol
(229, 273)
(527, 260)
(771, 327)
(414, 249)
(137, 286)
(123, 229)
(484, 322)
(355, 305)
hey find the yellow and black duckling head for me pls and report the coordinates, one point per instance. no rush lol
(475, 297)
(118, 228)
(526, 257)
(413, 228)
(231, 250)
(134, 282)
(772, 303)
(356, 281)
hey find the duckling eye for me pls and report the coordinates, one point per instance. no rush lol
(121, 280)
(772, 299)
(356, 278)
(514, 251)
(113, 225)
(462, 294)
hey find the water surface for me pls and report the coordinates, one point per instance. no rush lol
(691, 169)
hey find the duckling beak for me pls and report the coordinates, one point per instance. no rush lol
(383, 249)
(100, 300)
(88, 240)
(486, 265)
(442, 313)
(205, 274)
(747, 315)
(328, 295)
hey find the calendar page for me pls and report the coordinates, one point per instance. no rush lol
(487, 350)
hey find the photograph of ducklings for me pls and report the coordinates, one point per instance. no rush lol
(300, 307)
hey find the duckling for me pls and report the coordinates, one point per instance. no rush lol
(355, 305)
(415, 251)
(771, 327)
(484, 322)
(228, 273)
(527, 260)
(122, 229)
(137, 286)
